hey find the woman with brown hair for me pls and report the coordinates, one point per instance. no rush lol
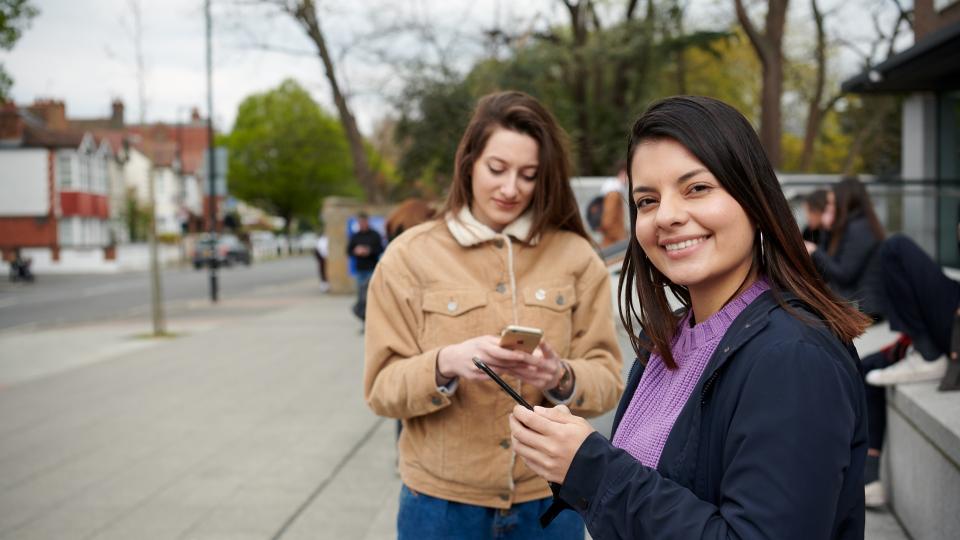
(850, 263)
(510, 248)
(743, 415)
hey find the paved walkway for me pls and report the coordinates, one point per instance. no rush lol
(248, 425)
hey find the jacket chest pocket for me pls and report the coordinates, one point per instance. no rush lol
(551, 309)
(452, 316)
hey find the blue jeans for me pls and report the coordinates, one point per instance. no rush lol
(363, 280)
(422, 517)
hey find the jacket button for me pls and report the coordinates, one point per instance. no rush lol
(540, 294)
(436, 400)
(498, 242)
(452, 306)
(726, 349)
(505, 443)
(501, 288)
(560, 300)
(746, 325)
(504, 496)
(583, 503)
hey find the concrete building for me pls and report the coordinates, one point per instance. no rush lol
(922, 448)
(928, 76)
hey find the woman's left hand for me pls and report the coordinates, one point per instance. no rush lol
(548, 438)
(811, 247)
(542, 369)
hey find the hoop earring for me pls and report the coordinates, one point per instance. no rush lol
(763, 259)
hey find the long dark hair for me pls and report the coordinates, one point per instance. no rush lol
(851, 198)
(726, 144)
(554, 205)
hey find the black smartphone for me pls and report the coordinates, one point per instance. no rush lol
(506, 387)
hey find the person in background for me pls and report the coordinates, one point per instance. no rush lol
(744, 412)
(924, 304)
(816, 204)
(365, 246)
(408, 214)
(612, 228)
(849, 263)
(509, 248)
(321, 251)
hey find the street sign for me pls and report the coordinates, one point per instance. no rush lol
(221, 172)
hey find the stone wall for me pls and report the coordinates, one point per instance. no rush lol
(336, 211)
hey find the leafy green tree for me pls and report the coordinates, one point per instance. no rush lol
(15, 16)
(287, 154)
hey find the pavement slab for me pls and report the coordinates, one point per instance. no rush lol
(250, 424)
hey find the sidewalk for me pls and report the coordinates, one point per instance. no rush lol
(249, 425)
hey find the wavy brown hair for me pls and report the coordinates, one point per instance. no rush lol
(726, 144)
(554, 205)
(407, 215)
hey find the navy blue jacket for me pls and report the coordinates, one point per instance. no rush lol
(771, 444)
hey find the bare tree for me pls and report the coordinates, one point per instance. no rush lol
(816, 109)
(304, 13)
(580, 13)
(886, 42)
(768, 46)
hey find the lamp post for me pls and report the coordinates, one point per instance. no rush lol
(211, 160)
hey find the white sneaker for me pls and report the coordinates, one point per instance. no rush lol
(913, 368)
(324, 286)
(873, 495)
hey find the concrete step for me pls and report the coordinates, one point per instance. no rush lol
(922, 473)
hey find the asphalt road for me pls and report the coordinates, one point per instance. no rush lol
(68, 299)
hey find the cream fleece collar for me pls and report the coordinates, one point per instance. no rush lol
(468, 231)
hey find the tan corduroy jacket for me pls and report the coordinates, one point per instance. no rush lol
(450, 280)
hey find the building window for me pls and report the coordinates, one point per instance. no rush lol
(85, 183)
(66, 231)
(65, 176)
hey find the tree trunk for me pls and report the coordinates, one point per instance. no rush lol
(769, 49)
(578, 24)
(815, 112)
(304, 11)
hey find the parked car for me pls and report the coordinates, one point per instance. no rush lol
(226, 250)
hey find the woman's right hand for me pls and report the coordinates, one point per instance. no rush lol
(457, 360)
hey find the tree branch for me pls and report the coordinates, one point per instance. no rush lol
(758, 41)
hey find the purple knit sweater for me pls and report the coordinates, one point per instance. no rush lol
(662, 392)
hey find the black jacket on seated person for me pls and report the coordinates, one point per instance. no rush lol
(853, 272)
(770, 444)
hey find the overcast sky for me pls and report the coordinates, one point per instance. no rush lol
(81, 51)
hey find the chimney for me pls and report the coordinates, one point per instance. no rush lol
(52, 112)
(194, 115)
(116, 114)
(11, 125)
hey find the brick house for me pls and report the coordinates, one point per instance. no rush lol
(176, 151)
(55, 183)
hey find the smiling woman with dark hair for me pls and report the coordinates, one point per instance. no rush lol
(743, 415)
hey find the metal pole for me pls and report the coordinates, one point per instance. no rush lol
(210, 156)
